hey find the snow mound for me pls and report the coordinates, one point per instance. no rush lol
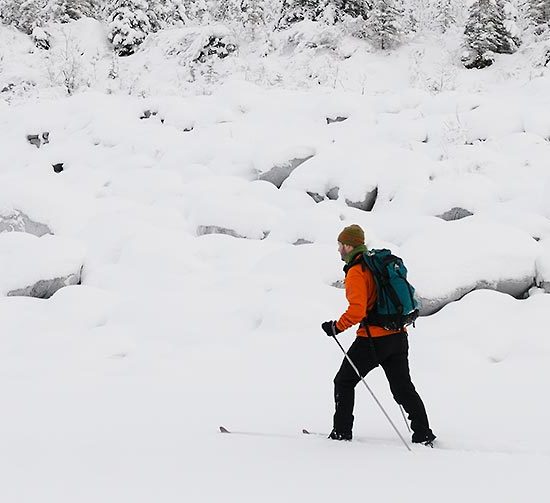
(450, 260)
(38, 267)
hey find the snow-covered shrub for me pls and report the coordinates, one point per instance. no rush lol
(129, 24)
(40, 38)
(77, 48)
(196, 44)
(313, 34)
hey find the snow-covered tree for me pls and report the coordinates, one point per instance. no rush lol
(353, 8)
(293, 11)
(226, 10)
(129, 24)
(199, 11)
(444, 14)
(539, 12)
(164, 13)
(486, 34)
(329, 10)
(23, 14)
(68, 10)
(252, 12)
(383, 27)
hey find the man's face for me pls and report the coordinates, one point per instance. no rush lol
(344, 250)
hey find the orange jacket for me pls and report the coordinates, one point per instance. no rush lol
(361, 295)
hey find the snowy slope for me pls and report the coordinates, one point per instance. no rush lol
(204, 216)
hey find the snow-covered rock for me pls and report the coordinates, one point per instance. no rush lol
(38, 267)
(20, 222)
(448, 261)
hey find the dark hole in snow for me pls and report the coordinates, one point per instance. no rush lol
(58, 168)
(331, 120)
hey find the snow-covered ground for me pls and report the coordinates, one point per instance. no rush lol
(199, 220)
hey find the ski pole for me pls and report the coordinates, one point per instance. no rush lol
(373, 395)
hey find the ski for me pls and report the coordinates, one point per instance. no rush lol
(225, 430)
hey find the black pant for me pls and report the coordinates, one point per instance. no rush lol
(391, 352)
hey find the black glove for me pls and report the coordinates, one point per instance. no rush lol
(330, 328)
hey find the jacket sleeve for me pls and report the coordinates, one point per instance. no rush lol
(356, 294)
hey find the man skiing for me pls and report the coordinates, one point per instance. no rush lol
(373, 346)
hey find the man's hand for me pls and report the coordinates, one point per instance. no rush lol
(330, 328)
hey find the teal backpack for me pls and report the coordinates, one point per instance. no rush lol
(396, 305)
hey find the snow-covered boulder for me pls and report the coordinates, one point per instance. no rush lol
(448, 261)
(278, 174)
(232, 206)
(359, 172)
(20, 222)
(38, 267)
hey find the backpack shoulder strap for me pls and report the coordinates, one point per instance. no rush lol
(356, 261)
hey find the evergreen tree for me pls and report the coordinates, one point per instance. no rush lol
(129, 24)
(198, 11)
(227, 10)
(539, 12)
(23, 14)
(485, 33)
(68, 10)
(252, 12)
(383, 26)
(353, 8)
(444, 15)
(298, 10)
(164, 13)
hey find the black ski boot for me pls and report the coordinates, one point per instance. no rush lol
(426, 439)
(337, 435)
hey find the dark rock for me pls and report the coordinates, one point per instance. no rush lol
(58, 168)
(302, 242)
(332, 194)
(455, 213)
(38, 139)
(147, 114)
(278, 174)
(34, 139)
(366, 204)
